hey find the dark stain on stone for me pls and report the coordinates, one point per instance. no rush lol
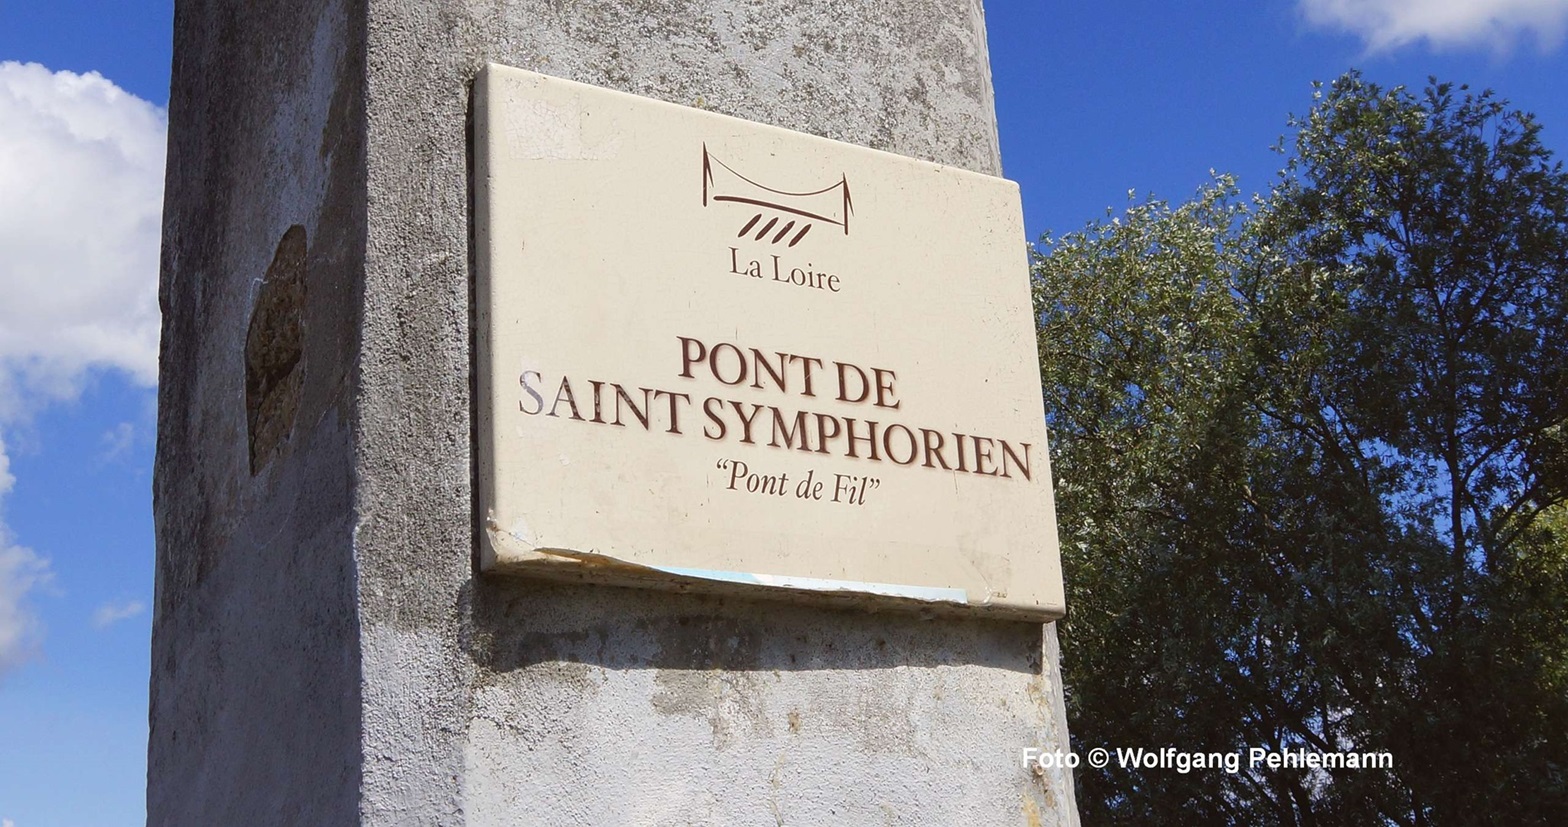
(274, 348)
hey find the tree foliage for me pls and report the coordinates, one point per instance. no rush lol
(1312, 474)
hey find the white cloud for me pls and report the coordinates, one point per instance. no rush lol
(81, 167)
(21, 571)
(118, 440)
(81, 194)
(111, 613)
(1496, 24)
(6, 480)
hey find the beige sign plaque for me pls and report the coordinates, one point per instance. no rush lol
(719, 355)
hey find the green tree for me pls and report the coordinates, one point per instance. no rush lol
(1312, 472)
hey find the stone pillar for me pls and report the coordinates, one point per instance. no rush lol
(324, 651)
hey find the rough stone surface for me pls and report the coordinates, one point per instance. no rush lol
(323, 650)
(255, 660)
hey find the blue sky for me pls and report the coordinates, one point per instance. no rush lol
(1093, 100)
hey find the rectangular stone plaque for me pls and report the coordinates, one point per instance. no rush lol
(719, 355)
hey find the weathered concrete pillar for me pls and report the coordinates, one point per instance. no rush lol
(324, 651)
